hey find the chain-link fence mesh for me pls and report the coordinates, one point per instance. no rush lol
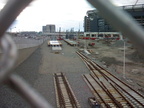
(118, 18)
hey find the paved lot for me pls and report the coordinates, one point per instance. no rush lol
(38, 70)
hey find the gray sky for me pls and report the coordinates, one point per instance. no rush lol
(66, 14)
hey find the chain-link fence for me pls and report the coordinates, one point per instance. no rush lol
(116, 17)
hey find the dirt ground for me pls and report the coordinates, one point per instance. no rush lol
(111, 56)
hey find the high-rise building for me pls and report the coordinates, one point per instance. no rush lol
(94, 23)
(49, 28)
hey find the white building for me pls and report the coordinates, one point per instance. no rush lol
(49, 28)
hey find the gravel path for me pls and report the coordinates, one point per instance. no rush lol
(38, 70)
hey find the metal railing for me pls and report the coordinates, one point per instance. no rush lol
(116, 17)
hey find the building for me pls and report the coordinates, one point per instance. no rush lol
(94, 23)
(137, 12)
(28, 33)
(48, 29)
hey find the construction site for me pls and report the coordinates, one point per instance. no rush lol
(122, 58)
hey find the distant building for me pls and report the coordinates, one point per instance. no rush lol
(28, 33)
(94, 23)
(48, 29)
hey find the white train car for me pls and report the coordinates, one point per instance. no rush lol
(102, 35)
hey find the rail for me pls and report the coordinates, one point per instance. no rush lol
(13, 8)
(109, 90)
(64, 93)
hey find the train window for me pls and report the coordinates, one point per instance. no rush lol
(115, 35)
(87, 35)
(100, 35)
(107, 35)
(93, 35)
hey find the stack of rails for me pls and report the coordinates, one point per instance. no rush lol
(64, 95)
(72, 43)
(108, 89)
(54, 43)
(55, 46)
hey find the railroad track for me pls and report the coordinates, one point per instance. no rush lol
(110, 91)
(64, 95)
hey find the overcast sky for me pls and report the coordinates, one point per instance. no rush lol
(66, 14)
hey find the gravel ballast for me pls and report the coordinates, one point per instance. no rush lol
(38, 71)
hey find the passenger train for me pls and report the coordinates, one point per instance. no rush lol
(101, 35)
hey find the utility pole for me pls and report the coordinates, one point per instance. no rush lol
(124, 74)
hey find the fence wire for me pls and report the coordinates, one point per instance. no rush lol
(121, 21)
(118, 18)
(7, 15)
